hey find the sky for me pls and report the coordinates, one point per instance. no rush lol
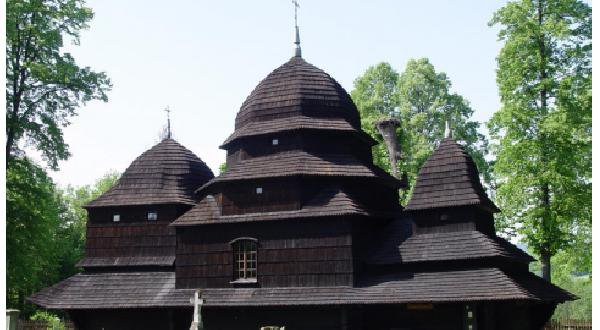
(203, 58)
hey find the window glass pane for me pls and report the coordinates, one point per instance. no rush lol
(245, 259)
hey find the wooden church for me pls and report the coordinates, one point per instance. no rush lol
(301, 231)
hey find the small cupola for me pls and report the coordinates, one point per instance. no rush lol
(168, 173)
(448, 190)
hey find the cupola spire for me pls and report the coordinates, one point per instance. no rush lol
(298, 52)
(168, 111)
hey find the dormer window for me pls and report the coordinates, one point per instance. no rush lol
(259, 190)
(116, 217)
(152, 216)
(275, 142)
(245, 251)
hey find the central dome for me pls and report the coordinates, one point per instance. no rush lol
(297, 88)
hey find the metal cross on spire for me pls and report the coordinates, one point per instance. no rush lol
(298, 52)
(447, 130)
(168, 111)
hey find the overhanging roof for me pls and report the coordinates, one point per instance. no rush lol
(157, 289)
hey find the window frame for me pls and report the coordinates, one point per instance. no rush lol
(245, 254)
(152, 212)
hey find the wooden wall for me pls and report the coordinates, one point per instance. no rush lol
(135, 214)
(314, 141)
(454, 219)
(307, 253)
(441, 317)
(278, 195)
(133, 235)
(322, 318)
(132, 319)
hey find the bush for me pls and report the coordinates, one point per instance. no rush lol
(54, 322)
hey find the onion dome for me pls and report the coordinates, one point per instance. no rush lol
(168, 173)
(449, 178)
(297, 88)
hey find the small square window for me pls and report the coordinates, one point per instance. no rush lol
(275, 142)
(152, 216)
(116, 217)
(259, 190)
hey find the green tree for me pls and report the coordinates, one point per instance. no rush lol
(566, 273)
(33, 218)
(421, 98)
(45, 229)
(542, 132)
(44, 86)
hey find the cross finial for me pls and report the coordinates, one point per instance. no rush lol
(298, 52)
(168, 111)
(447, 130)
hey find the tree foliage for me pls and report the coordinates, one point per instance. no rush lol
(44, 86)
(32, 224)
(421, 98)
(542, 132)
(567, 275)
(45, 229)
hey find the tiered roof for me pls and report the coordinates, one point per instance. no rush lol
(444, 246)
(296, 97)
(302, 163)
(449, 178)
(294, 124)
(329, 202)
(168, 173)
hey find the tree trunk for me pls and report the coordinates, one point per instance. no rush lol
(546, 267)
(545, 254)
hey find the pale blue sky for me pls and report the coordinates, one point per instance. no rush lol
(202, 58)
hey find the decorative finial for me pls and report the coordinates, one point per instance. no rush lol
(447, 130)
(168, 111)
(297, 42)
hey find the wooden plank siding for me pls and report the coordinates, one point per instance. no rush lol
(277, 195)
(133, 235)
(318, 253)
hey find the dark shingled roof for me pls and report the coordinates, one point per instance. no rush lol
(297, 88)
(126, 261)
(168, 173)
(449, 286)
(442, 246)
(302, 163)
(329, 202)
(296, 123)
(157, 289)
(448, 178)
(114, 290)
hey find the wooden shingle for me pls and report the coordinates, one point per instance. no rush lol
(328, 203)
(443, 246)
(297, 88)
(168, 173)
(157, 289)
(294, 124)
(302, 163)
(449, 178)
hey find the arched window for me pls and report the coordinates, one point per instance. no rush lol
(244, 258)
